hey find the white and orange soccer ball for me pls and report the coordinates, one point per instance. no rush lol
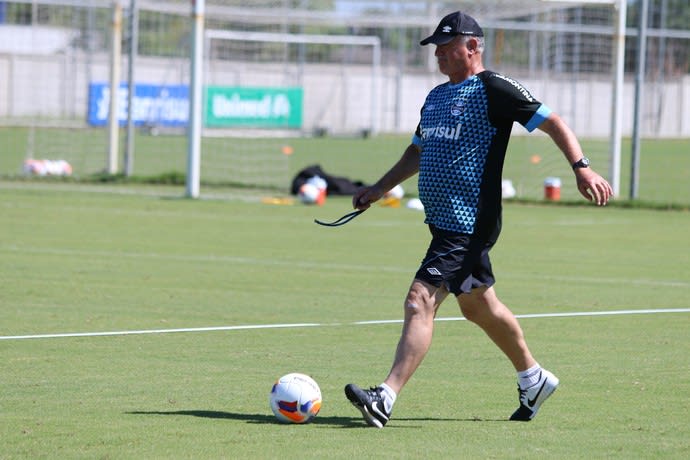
(313, 191)
(295, 398)
(309, 194)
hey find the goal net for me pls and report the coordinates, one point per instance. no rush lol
(262, 90)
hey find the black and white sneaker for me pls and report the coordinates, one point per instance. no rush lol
(533, 397)
(370, 403)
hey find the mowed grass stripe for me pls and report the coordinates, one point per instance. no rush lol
(301, 263)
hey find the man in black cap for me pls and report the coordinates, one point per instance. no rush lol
(458, 150)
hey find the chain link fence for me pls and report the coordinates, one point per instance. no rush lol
(55, 64)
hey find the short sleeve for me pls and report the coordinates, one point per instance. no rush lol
(509, 101)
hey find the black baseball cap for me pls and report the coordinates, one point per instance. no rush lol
(452, 25)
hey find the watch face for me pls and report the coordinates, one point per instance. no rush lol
(581, 163)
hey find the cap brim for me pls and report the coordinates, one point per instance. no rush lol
(438, 39)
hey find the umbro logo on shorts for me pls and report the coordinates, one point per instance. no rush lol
(433, 271)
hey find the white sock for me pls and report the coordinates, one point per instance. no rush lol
(529, 377)
(389, 398)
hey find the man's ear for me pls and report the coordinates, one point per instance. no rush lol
(471, 44)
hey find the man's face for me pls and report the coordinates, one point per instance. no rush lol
(454, 57)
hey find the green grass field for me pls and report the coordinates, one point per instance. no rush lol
(664, 165)
(79, 258)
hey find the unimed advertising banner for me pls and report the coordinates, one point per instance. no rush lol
(253, 107)
(226, 107)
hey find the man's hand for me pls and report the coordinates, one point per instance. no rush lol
(365, 196)
(593, 187)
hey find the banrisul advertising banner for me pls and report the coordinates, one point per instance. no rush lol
(158, 105)
(228, 107)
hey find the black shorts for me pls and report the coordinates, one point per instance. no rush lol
(457, 262)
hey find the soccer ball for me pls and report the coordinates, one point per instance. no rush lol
(313, 191)
(295, 398)
(308, 194)
(311, 194)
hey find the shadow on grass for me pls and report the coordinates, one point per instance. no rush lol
(252, 418)
(345, 422)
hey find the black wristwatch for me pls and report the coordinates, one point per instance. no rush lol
(581, 163)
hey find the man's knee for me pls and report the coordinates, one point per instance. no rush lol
(477, 305)
(415, 304)
(422, 299)
(472, 311)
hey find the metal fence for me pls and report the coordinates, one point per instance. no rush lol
(55, 63)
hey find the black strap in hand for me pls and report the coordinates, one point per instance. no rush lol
(343, 220)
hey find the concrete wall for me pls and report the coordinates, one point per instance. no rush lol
(336, 98)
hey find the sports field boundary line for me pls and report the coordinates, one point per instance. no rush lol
(300, 325)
